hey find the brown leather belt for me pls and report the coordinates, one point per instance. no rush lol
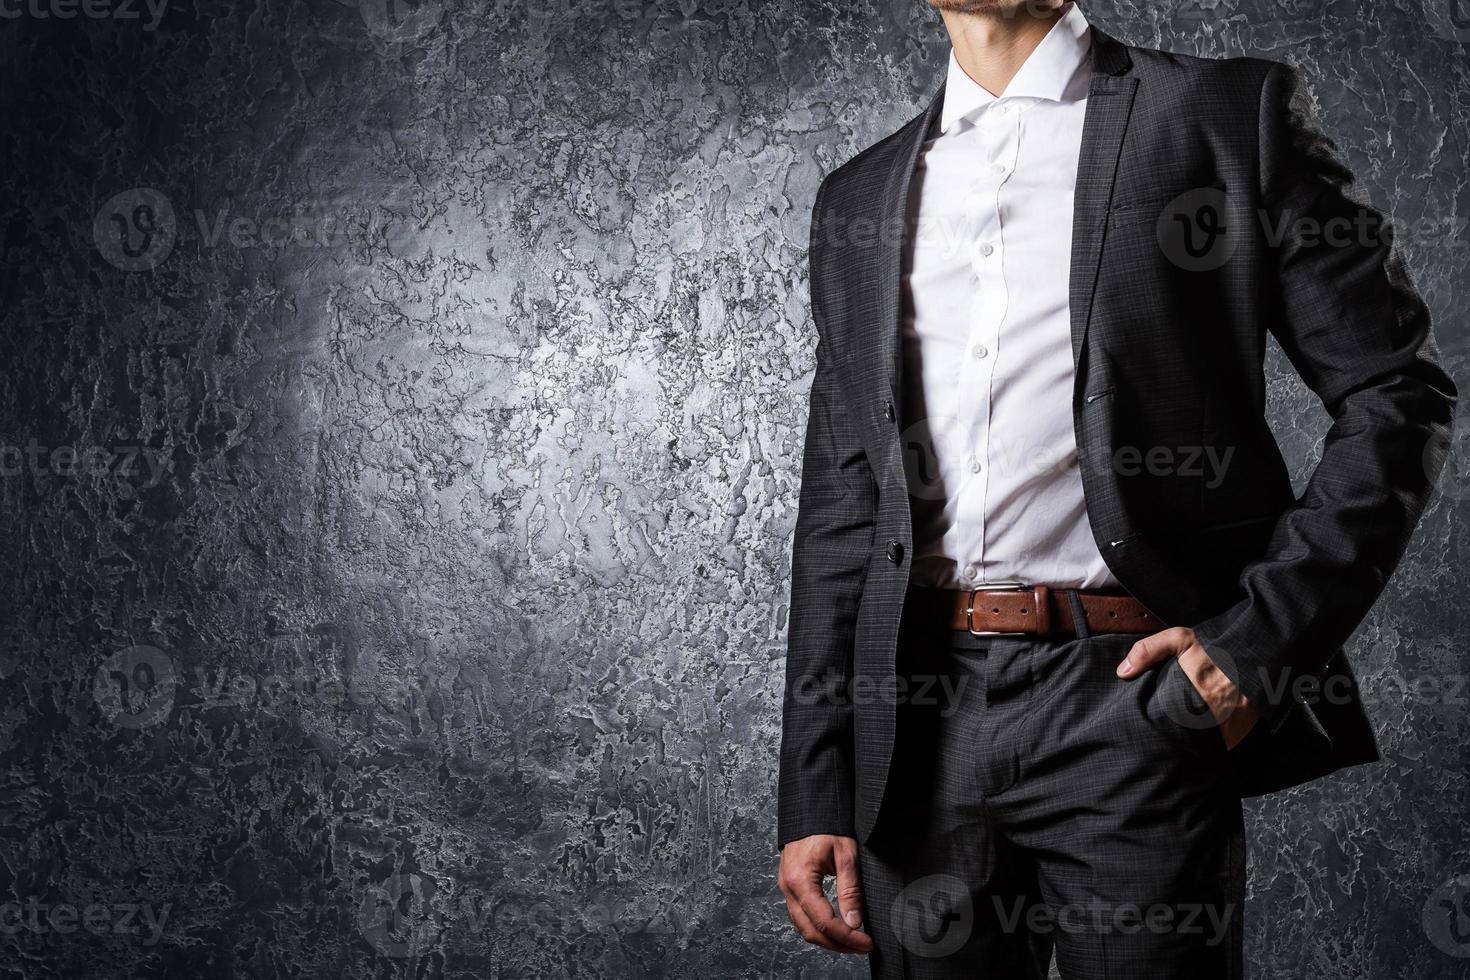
(1041, 611)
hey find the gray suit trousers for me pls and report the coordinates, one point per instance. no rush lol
(1039, 804)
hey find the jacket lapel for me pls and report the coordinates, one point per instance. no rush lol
(894, 217)
(1109, 103)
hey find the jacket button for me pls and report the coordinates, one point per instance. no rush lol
(895, 552)
(888, 411)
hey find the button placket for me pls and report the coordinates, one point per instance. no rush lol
(1011, 219)
(1000, 144)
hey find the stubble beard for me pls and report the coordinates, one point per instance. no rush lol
(1004, 9)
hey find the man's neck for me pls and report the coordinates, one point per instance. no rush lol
(992, 46)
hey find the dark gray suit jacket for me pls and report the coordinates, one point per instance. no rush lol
(1208, 211)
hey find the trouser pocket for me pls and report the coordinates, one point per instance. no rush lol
(1178, 704)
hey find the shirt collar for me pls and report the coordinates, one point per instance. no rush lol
(1046, 73)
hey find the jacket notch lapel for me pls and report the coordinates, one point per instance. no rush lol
(1109, 105)
(894, 218)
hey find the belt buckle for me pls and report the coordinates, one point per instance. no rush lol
(997, 587)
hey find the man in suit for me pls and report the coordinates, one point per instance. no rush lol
(1055, 607)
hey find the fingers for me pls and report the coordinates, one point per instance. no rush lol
(1234, 714)
(804, 864)
(1155, 649)
(813, 902)
(850, 895)
(806, 930)
(849, 887)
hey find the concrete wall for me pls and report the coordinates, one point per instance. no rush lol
(396, 532)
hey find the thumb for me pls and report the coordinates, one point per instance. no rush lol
(849, 886)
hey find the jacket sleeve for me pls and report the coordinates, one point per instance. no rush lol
(1354, 328)
(834, 535)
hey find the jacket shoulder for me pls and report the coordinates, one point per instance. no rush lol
(1194, 81)
(862, 178)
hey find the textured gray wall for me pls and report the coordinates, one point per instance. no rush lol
(397, 540)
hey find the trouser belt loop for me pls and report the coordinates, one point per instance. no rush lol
(1079, 616)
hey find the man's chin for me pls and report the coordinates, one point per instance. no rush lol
(997, 8)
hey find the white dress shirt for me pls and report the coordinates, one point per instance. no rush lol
(989, 451)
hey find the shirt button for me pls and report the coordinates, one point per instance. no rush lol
(971, 571)
(980, 353)
(888, 411)
(1002, 109)
(974, 465)
(998, 168)
(895, 552)
(987, 249)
